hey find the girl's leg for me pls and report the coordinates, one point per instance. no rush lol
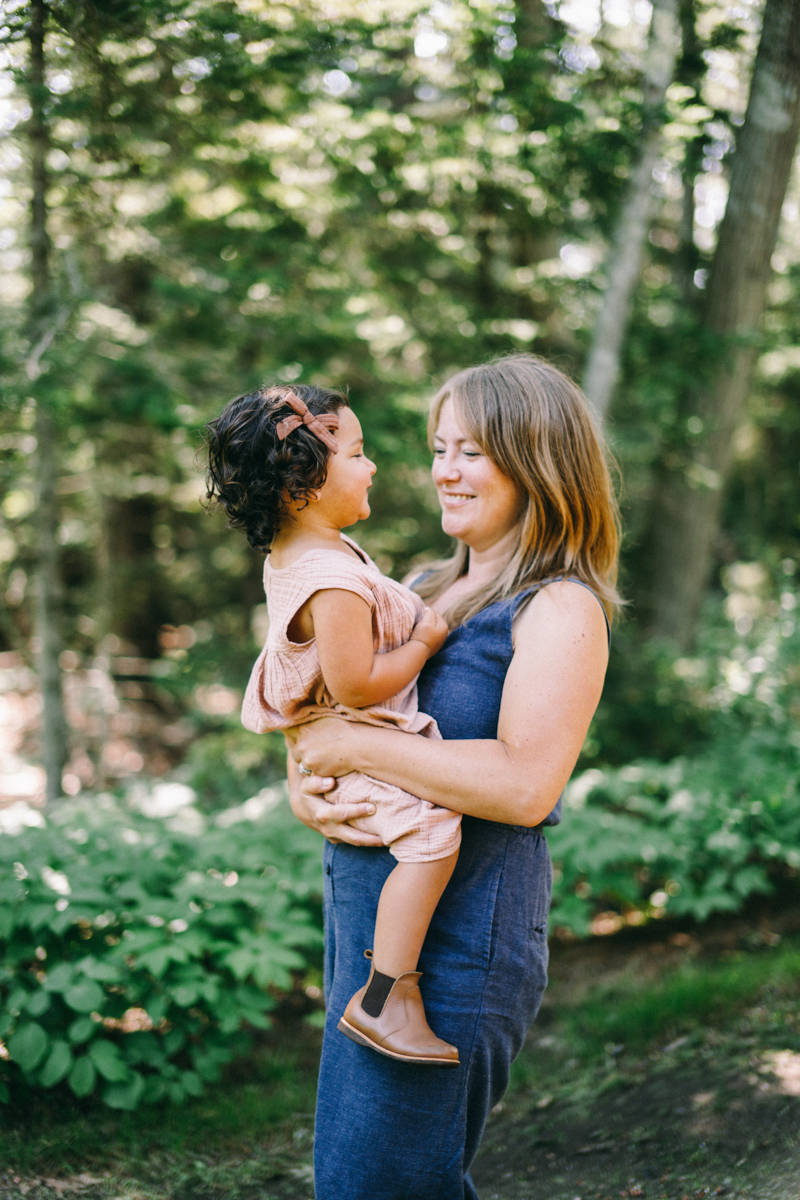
(388, 1014)
(408, 901)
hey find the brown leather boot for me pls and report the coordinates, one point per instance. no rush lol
(401, 1031)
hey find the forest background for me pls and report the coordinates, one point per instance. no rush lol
(199, 197)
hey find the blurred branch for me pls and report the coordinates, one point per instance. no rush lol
(32, 368)
(633, 222)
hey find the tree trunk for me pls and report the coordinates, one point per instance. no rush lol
(43, 325)
(688, 501)
(633, 222)
(535, 27)
(691, 72)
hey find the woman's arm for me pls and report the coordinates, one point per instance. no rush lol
(551, 692)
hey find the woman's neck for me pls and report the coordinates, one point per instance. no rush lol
(483, 567)
(485, 564)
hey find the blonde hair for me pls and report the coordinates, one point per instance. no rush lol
(534, 424)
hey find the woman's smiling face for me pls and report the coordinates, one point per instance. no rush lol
(480, 505)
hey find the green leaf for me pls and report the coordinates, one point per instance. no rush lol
(144, 1048)
(186, 995)
(28, 1046)
(192, 1083)
(105, 972)
(5, 1095)
(125, 1096)
(57, 1065)
(155, 1089)
(16, 999)
(60, 978)
(106, 1057)
(156, 961)
(38, 1003)
(86, 996)
(81, 1029)
(174, 1041)
(83, 1076)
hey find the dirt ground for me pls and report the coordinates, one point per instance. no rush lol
(716, 1112)
(702, 1124)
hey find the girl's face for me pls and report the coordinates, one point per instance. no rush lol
(343, 498)
(480, 505)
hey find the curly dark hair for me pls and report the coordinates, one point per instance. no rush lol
(251, 474)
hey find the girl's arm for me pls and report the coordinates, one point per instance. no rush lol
(551, 691)
(354, 674)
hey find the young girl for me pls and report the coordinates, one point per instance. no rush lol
(288, 466)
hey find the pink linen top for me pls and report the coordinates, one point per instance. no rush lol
(286, 687)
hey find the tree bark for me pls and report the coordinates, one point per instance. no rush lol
(691, 71)
(633, 222)
(688, 500)
(43, 325)
(535, 27)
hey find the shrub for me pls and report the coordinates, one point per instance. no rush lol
(698, 834)
(136, 955)
(691, 837)
(226, 766)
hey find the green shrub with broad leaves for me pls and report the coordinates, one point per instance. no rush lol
(699, 834)
(688, 838)
(136, 955)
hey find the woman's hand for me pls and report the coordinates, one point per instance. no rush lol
(314, 803)
(326, 747)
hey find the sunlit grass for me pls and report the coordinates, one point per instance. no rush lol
(633, 1019)
(677, 1004)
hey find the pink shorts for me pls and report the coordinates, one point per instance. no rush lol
(414, 830)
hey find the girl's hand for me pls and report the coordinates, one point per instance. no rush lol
(431, 630)
(312, 805)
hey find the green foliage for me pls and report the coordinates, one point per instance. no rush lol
(227, 767)
(137, 955)
(700, 833)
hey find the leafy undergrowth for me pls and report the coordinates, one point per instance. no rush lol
(136, 956)
(250, 1137)
(664, 1069)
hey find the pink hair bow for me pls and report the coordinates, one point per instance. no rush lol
(320, 425)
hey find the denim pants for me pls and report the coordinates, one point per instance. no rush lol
(395, 1131)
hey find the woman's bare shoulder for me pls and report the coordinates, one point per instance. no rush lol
(563, 609)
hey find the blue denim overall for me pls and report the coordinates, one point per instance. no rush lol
(393, 1131)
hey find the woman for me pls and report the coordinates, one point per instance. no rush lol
(524, 489)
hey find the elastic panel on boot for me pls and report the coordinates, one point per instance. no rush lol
(376, 994)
